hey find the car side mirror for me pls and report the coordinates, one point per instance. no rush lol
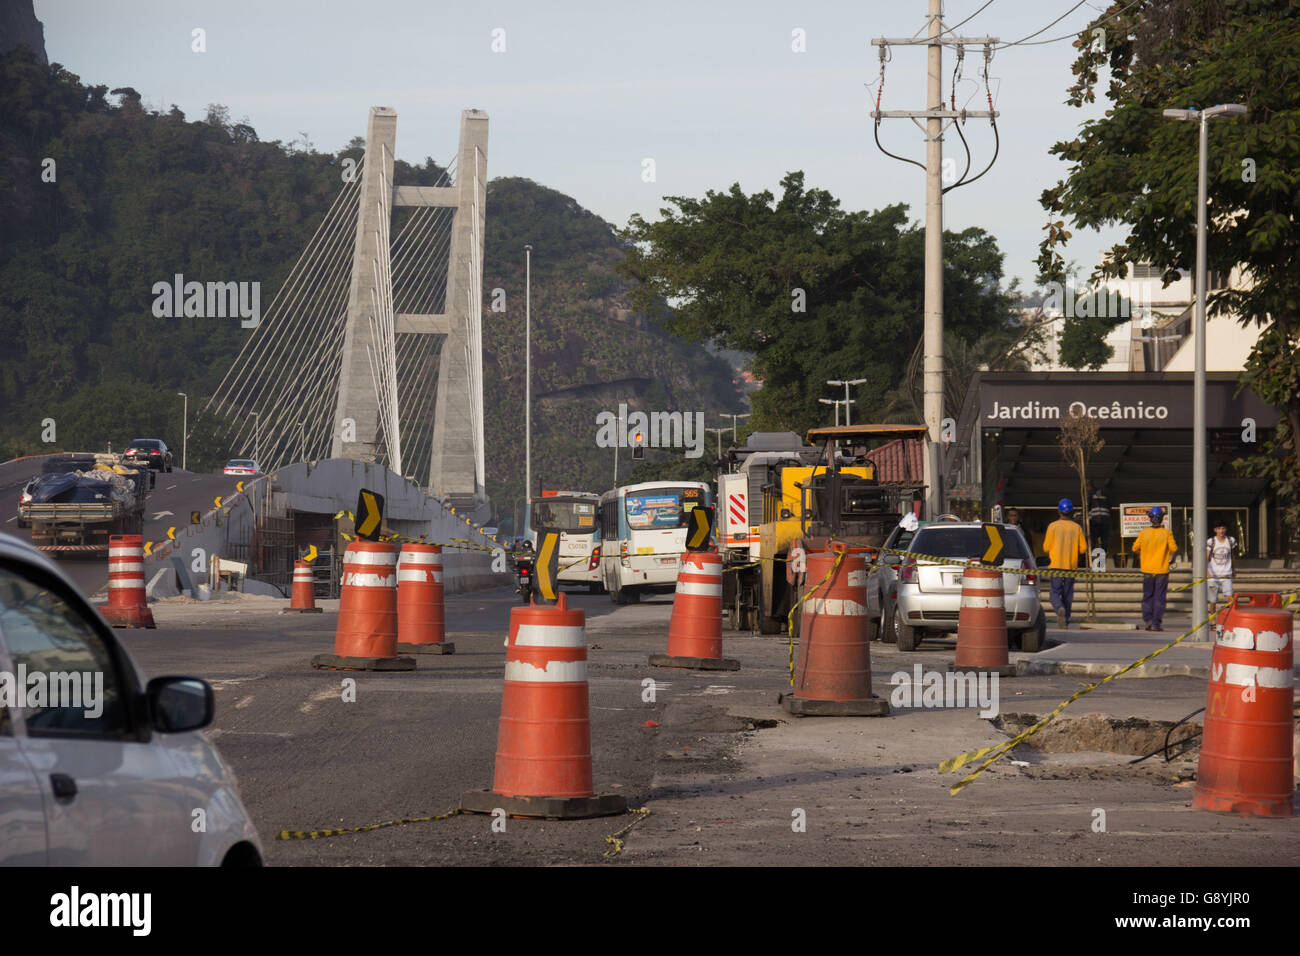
(177, 704)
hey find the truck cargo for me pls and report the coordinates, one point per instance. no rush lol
(79, 500)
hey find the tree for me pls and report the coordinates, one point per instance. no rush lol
(1079, 440)
(1136, 169)
(812, 291)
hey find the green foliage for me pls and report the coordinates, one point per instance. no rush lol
(813, 292)
(1137, 169)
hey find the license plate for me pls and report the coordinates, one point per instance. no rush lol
(667, 560)
(954, 580)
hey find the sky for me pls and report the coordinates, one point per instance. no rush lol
(584, 92)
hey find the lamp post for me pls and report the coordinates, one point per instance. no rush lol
(837, 403)
(1199, 477)
(257, 439)
(734, 418)
(528, 374)
(185, 429)
(720, 432)
(846, 383)
(302, 434)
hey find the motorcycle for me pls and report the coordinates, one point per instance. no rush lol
(524, 567)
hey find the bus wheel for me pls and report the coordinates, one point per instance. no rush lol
(618, 596)
(633, 595)
(594, 587)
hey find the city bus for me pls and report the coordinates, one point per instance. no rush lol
(643, 536)
(575, 514)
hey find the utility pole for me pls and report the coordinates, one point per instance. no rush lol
(935, 116)
(837, 403)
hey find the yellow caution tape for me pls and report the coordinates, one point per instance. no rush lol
(999, 751)
(320, 834)
(617, 838)
(808, 592)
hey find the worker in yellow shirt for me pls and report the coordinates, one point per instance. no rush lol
(1157, 546)
(1064, 544)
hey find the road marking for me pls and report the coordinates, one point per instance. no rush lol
(169, 488)
(244, 702)
(14, 518)
(215, 733)
(220, 683)
(321, 695)
(161, 514)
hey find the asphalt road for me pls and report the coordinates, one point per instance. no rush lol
(721, 766)
(175, 495)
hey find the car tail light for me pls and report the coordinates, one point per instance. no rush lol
(622, 555)
(907, 572)
(1031, 579)
(594, 562)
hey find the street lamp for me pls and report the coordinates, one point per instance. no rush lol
(1199, 477)
(257, 439)
(734, 418)
(837, 403)
(185, 428)
(720, 432)
(528, 374)
(846, 383)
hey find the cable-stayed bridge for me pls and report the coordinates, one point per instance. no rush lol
(372, 348)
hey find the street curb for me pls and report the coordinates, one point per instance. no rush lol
(1107, 668)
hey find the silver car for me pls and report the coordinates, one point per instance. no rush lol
(99, 767)
(882, 584)
(929, 592)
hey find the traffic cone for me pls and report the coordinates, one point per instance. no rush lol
(1246, 599)
(127, 605)
(695, 629)
(366, 637)
(303, 596)
(543, 765)
(833, 671)
(1247, 744)
(982, 624)
(421, 624)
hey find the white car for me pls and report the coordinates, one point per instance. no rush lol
(99, 767)
(242, 466)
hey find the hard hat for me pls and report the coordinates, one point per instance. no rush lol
(1065, 505)
(1156, 513)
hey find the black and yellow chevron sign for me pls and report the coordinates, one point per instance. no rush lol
(195, 517)
(699, 529)
(996, 549)
(370, 514)
(547, 568)
(310, 556)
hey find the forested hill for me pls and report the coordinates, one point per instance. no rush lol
(100, 198)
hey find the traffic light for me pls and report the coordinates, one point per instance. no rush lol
(638, 446)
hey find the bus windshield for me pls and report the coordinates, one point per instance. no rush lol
(660, 508)
(559, 514)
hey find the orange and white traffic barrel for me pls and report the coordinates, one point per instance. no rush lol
(302, 597)
(543, 762)
(421, 619)
(127, 604)
(1247, 744)
(366, 636)
(832, 675)
(982, 624)
(695, 629)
